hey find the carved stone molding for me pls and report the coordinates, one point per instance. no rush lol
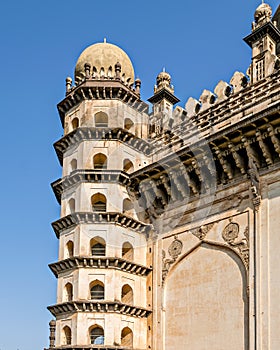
(202, 231)
(231, 235)
(174, 250)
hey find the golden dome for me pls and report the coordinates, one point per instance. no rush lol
(102, 57)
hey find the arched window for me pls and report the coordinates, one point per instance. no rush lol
(96, 335)
(110, 72)
(68, 290)
(97, 290)
(128, 166)
(69, 249)
(98, 246)
(71, 205)
(67, 336)
(127, 337)
(98, 202)
(75, 123)
(100, 161)
(73, 165)
(101, 120)
(127, 251)
(128, 207)
(127, 294)
(128, 123)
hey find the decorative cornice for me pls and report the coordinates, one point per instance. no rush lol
(259, 33)
(72, 220)
(100, 306)
(164, 94)
(92, 89)
(88, 133)
(99, 263)
(92, 176)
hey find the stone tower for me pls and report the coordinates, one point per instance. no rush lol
(169, 229)
(103, 267)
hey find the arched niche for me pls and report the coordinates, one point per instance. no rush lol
(98, 202)
(101, 120)
(128, 166)
(205, 301)
(98, 246)
(100, 161)
(73, 165)
(96, 335)
(68, 292)
(71, 205)
(128, 124)
(127, 337)
(75, 123)
(97, 291)
(66, 336)
(127, 251)
(128, 208)
(69, 249)
(127, 294)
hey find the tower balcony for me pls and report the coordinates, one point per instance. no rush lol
(99, 263)
(92, 176)
(74, 219)
(99, 307)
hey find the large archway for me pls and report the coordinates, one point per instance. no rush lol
(206, 302)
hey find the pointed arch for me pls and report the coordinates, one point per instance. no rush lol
(101, 120)
(69, 249)
(110, 72)
(73, 165)
(75, 123)
(96, 335)
(98, 202)
(100, 161)
(127, 295)
(98, 246)
(66, 335)
(68, 292)
(128, 208)
(71, 205)
(207, 267)
(127, 337)
(97, 290)
(128, 166)
(128, 123)
(127, 251)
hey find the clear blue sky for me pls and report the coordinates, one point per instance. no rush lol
(199, 43)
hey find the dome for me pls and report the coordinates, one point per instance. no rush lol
(102, 57)
(163, 81)
(163, 76)
(264, 10)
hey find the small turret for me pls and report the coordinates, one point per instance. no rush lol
(163, 101)
(263, 40)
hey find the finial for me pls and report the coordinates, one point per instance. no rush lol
(68, 84)
(87, 70)
(137, 86)
(163, 69)
(105, 40)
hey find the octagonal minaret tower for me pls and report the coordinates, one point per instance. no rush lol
(103, 269)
